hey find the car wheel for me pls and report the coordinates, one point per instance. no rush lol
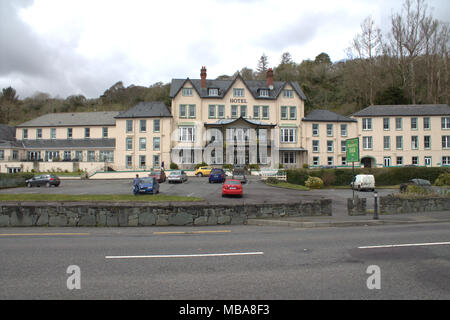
(199, 174)
(29, 185)
(48, 185)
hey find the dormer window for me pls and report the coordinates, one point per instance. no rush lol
(187, 92)
(213, 92)
(263, 92)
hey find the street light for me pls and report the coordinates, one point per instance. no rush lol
(375, 211)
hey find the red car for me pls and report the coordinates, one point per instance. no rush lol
(159, 175)
(232, 187)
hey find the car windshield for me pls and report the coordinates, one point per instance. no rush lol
(147, 180)
(216, 171)
(175, 173)
(233, 182)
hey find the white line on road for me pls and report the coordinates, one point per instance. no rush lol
(406, 245)
(187, 255)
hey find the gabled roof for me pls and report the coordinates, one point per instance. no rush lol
(320, 115)
(404, 110)
(225, 85)
(146, 110)
(69, 119)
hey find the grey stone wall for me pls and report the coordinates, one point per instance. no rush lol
(356, 207)
(138, 214)
(394, 205)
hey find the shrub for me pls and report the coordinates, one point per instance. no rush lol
(227, 166)
(314, 183)
(297, 176)
(173, 166)
(272, 180)
(328, 177)
(443, 180)
(305, 166)
(254, 166)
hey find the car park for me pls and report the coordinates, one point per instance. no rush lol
(232, 187)
(202, 171)
(177, 176)
(147, 185)
(47, 180)
(217, 175)
(239, 174)
(423, 183)
(363, 182)
(160, 175)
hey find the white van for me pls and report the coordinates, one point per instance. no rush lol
(363, 182)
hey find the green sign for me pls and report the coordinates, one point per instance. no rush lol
(352, 150)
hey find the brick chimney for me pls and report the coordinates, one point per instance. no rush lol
(203, 77)
(270, 78)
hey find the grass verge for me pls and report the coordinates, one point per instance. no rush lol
(97, 198)
(287, 185)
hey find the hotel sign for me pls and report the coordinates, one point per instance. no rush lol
(232, 100)
(352, 150)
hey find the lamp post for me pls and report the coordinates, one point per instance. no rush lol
(375, 211)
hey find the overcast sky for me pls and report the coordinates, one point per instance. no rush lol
(66, 47)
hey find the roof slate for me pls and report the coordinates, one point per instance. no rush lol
(326, 116)
(105, 118)
(404, 110)
(146, 110)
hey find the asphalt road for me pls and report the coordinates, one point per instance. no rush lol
(226, 262)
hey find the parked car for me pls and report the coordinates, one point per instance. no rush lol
(240, 167)
(160, 175)
(418, 182)
(47, 180)
(217, 175)
(239, 174)
(177, 176)
(363, 182)
(203, 171)
(147, 185)
(232, 187)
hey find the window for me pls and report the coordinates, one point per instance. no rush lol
(315, 161)
(265, 112)
(156, 125)
(38, 133)
(106, 156)
(386, 124)
(238, 92)
(399, 142)
(330, 161)
(142, 161)
(315, 145)
(211, 111)
(445, 161)
(387, 161)
(91, 156)
(129, 126)
(367, 143)
(445, 142)
(156, 143)
(221, 111)
(343, 130)
(330, 146)
(142, 125)
(52, 133)
(129, 161)
(187, 92)
(105, 132)
(156, 161)
(293, 113)
(186, 134)
(288, 157)
(445, 123)
(415, 160)
(79, 155)
(367, 123)
(213, 92)
(87, 133)
(192, 111)
(288, 93)
(329, 130)
(427, 142)
(24, 133)
(182, 111)
(256, 112)
(343, 146)
(129, 143)
(67, 155)
(186, 156)
(234, 112)
(244, 111)
(263, 92)
(142, 144)
(399, 161)
(387, 142)
(426, 123)
(284, 115)
(414, 142)
(413, 123)
(344, 161)
(398, 123)
(288, 135)
(2, 154)
(315, 129)
(427, 160)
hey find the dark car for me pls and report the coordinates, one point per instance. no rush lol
(217, 175)
(146, 185)
(417, 182)
(239, 174)
(47, 180)
(160, 175)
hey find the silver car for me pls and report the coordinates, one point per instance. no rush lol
(177, 176)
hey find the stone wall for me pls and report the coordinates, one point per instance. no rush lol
(394, 205)
(356, 207)
(138, 214)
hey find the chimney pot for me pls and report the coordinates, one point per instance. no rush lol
(203, 77)
(269, 79)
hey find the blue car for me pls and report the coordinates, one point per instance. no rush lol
(217, 175)
(147, 185)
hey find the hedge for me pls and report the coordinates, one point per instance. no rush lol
(383, 176)
(12, 180)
